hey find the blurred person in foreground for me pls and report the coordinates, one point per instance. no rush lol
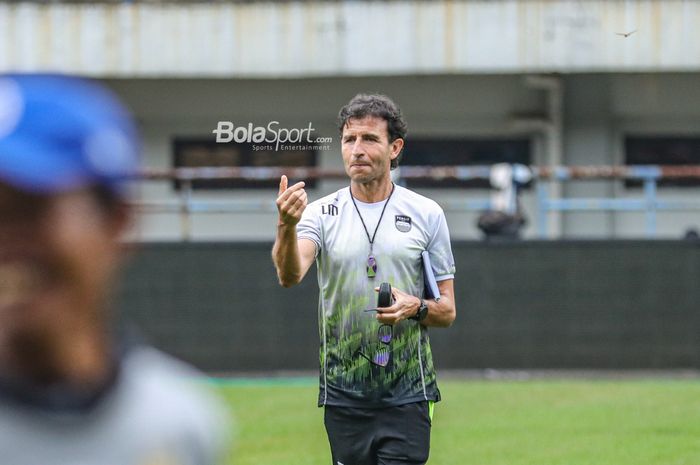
(378, 382)
(72, 390)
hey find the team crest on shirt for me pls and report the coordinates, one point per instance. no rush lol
(403, 223)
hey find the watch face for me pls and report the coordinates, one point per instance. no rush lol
(422, 310)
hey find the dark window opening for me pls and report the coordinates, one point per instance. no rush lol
(200, 153)
(453, 152)
(663, 150)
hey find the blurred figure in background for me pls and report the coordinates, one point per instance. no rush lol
(506, 217)
(72, 391)
(691, 234)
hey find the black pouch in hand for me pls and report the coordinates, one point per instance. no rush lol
(385, 297)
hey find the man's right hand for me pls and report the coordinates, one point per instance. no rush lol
(291, 202)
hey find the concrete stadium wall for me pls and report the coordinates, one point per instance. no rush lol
(568, 304)
(599, 110)
(341, 38)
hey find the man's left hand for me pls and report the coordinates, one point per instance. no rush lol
(405, 306)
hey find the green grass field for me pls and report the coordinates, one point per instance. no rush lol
(654, 422)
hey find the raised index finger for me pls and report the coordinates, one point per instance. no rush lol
(283, 185)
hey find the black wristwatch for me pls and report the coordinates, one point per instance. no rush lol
(422, 312)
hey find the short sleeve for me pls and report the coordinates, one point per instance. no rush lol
(309, 227)
(440, 249)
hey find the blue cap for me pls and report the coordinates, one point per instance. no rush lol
(60, 133)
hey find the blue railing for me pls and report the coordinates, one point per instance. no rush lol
(648, 203)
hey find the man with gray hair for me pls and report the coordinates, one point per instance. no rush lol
(72, 391)
(378, 382)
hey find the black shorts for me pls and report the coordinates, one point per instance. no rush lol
(386, 436)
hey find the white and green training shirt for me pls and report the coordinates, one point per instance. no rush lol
(362, 363)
